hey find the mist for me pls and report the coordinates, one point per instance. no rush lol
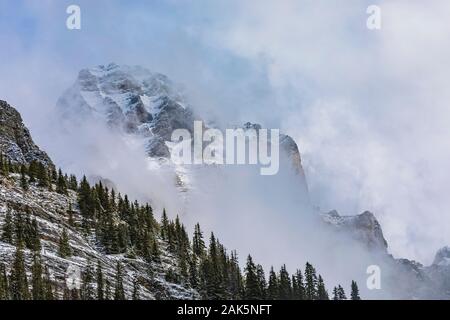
(368, 110)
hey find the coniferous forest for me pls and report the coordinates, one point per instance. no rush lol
(121, 226)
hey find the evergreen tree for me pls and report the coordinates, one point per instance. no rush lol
(252, 291)
(23, 178)
(18, 278)
(4, 288)
(64, 246)
(61, 183)
(42, 176)
(322, 293)
(310, 282)
(37, 291)
(8, 228)
(355, 292)
(335, 293)
(119, 293)
(87, 292)
(49, 293)
(298, 290)
(135, 288)
(198, 245)
(164, 226)
(262, 285)
(272, 288)
(100, 282)
(341, 293)
(284, 287)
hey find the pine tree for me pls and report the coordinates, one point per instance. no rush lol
(310, 282)
(164, 226)
(23, 178)
(119, 293)
(298, 287)
(341, 293)
(284, 287)
(355, 292)
(64, 246)
(37, 281)
(42, 176)
(322, 293)
(262, 285)
(49, 293)
(4, 288)
(70, 213)
(198, 245)
(61, 183)
(8, 228)
(335, 293)
(87, 292)
(100, 282)
(251, 281)
(135, 288)
(272, 288)
(18, 278)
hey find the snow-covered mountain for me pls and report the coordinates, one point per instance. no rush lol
(137, 101)
(15, 139)
(50, 209)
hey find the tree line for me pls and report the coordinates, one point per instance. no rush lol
(120, 226)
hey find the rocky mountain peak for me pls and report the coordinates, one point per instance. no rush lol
(363, 227)
(442, 257)
(15, 139)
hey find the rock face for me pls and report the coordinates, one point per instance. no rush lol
(15, 139)
(363, 227)
(150, 105)
(132, 99)
(50, 210)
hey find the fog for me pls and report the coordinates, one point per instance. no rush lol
(368, 110)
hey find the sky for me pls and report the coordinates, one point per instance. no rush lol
(368, 108)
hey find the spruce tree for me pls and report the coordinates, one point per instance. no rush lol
(252, 291)
(4, 288)
(272, 288)
(135, 295)
(23, 178)
(341, 293)
(64, 246)
(355, 292)
(198, 244)
(18, 278)
(119, 293)
(87, 292)
(37, 291)
(284, 284)
(100, 282)
(335, 293)
(49, 292)
(310, 282)
(8, 228)
(61, 183)
(298, 285)
(322, 293)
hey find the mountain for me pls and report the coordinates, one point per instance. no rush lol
(149, 105)
(15, 139)
(55, 231)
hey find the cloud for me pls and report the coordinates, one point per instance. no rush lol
(369, 109)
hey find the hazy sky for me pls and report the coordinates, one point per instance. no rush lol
(369, 109)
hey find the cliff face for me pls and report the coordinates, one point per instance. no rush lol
(15, 139)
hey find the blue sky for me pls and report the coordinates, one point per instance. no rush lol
(369, 109)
